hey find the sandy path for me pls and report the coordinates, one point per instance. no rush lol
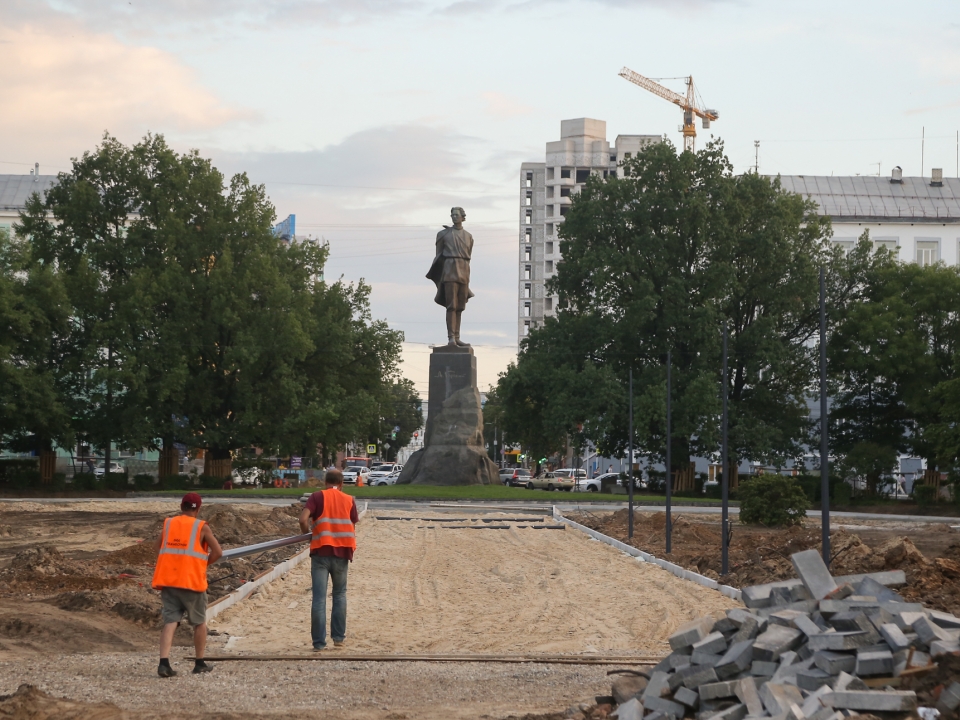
(438, 589)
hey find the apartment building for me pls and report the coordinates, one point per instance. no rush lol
(15, 190)
(546, 191)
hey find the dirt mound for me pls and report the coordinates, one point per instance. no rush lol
(235, 525)
(29, 702)
(44, 560)
(141, 553)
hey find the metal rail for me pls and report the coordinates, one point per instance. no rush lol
(540, 659)
(234, 553)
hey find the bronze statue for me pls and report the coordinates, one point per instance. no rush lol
(451, 272)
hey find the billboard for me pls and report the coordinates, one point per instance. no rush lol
(286, 229)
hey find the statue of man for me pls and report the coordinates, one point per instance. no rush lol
(451, 272)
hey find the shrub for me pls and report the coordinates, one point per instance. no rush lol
(714, 492)
(175, 482)
(117, 482)
(841, 493)
(144, 482)
(772, 500)
(924, 494)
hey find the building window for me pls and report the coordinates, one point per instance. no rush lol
(529, 199)
(548, 304)
(550, 193)
(564, 192)
(563, 210)
(890, 243)
(529, 217)
(846, 243)
(549, 173)
(526, 309)
(549, 266)
(549, 228)
(526, 327)
(582, 175)
(526, 254)
(529, 179)
(613, 158)
(526, 272)
(528, 234)
(928, 251)
(626, 156)
(549, 248)
(526, 290)
(564, 172)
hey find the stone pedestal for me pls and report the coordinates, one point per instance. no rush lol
(454, 452)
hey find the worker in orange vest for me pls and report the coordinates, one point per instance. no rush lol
(330, 517)
(184, 550)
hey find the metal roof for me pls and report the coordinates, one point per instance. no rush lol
(878, 199)
(15, 189)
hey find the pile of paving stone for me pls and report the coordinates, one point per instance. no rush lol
(814, 648)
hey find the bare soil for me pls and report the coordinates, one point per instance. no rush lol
(929, 553)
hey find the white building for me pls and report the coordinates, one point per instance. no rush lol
(917, 218)
(15, 190)
(546, 191)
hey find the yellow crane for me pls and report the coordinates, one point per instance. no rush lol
(688, 104)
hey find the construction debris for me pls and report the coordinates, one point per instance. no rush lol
(816, 648)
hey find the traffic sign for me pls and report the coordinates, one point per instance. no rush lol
(371, 449)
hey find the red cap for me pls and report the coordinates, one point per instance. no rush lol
(191, 501)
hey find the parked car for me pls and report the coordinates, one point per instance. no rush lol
(115, 467)
(580, 474)
(551, 481)
(515, 477)
(247, 476)
(595, 484)
(382, 471)
(351, 473)
(390, 479)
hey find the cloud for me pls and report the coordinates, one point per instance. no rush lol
(68, 87)
(504, 106)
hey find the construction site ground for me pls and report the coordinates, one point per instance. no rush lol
(79, 621)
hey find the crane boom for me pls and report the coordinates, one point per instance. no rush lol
(688, 104)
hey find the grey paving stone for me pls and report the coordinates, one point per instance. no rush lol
(676, 660)
(928, 631)
(950, 697)
(778, 698)
(918, 659)
(726, 625)
(657, 715)
(704, 676)
(872, 700)
(763, 668)
(786, 617)
(842, 640)
(944, 620)
(812, 678)
(805, 624)
(812, 704)
(874, 662)
(632, 709)
(704, 658)
(626, 687)
(736, 660)
(807, 606)
(688, 697)
(869, 586)
(893, 636)
(834, 662)
(879, 616)
(944, 647)
(758, 596)
(851, 621)
(714, 643)
(826, 713)
(749, 628)
(775, 641)
(831, 607)
(747, 694)
(738, 615)
(814, 573)
(668, 707)
(734, 712)
(658, 685)
(717, 690)
(905, 619)
(691, 633)
(846, 681)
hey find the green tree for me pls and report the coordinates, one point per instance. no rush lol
(657, 261)
(401, 409)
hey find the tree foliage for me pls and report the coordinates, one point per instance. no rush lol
(772, 500)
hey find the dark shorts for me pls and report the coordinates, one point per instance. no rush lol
(455, 294)
(178, 602)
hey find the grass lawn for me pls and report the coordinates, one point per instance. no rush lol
(469, 492)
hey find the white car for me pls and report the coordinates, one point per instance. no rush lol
(351, 473)
(115, 467)
(382, 471)
(390, 479)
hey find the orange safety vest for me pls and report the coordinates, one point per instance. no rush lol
(182, 562)
(334, 527)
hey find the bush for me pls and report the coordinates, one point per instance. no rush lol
(117, 482)
(175, 482)
(841, 493)
(144, 482)
(772, 500)
(714, 492)
(209, 482)
(924, 494)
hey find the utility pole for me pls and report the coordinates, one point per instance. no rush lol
(725, 478)
(824, 445)
(669, 484)
(108, 455)
(630, 476)
(756, 156)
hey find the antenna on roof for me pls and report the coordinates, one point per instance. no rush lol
(36, 172)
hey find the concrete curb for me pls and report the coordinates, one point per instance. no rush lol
(682, 573)
(278, 571)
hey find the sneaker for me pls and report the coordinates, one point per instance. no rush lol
(166, 671)
(197, 669)
(338, 643)
(319, 649)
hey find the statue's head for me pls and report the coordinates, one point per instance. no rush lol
(457, 213)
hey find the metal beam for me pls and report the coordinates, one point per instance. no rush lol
(239, 552)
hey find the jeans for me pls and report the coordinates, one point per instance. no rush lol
(320, 568)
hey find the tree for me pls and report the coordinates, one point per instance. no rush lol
(402, 416)
(657, 261)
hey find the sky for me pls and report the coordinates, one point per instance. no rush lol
(369, 119)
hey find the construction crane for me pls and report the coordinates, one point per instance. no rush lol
(688, 104)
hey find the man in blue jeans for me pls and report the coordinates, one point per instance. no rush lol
(330, 516)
